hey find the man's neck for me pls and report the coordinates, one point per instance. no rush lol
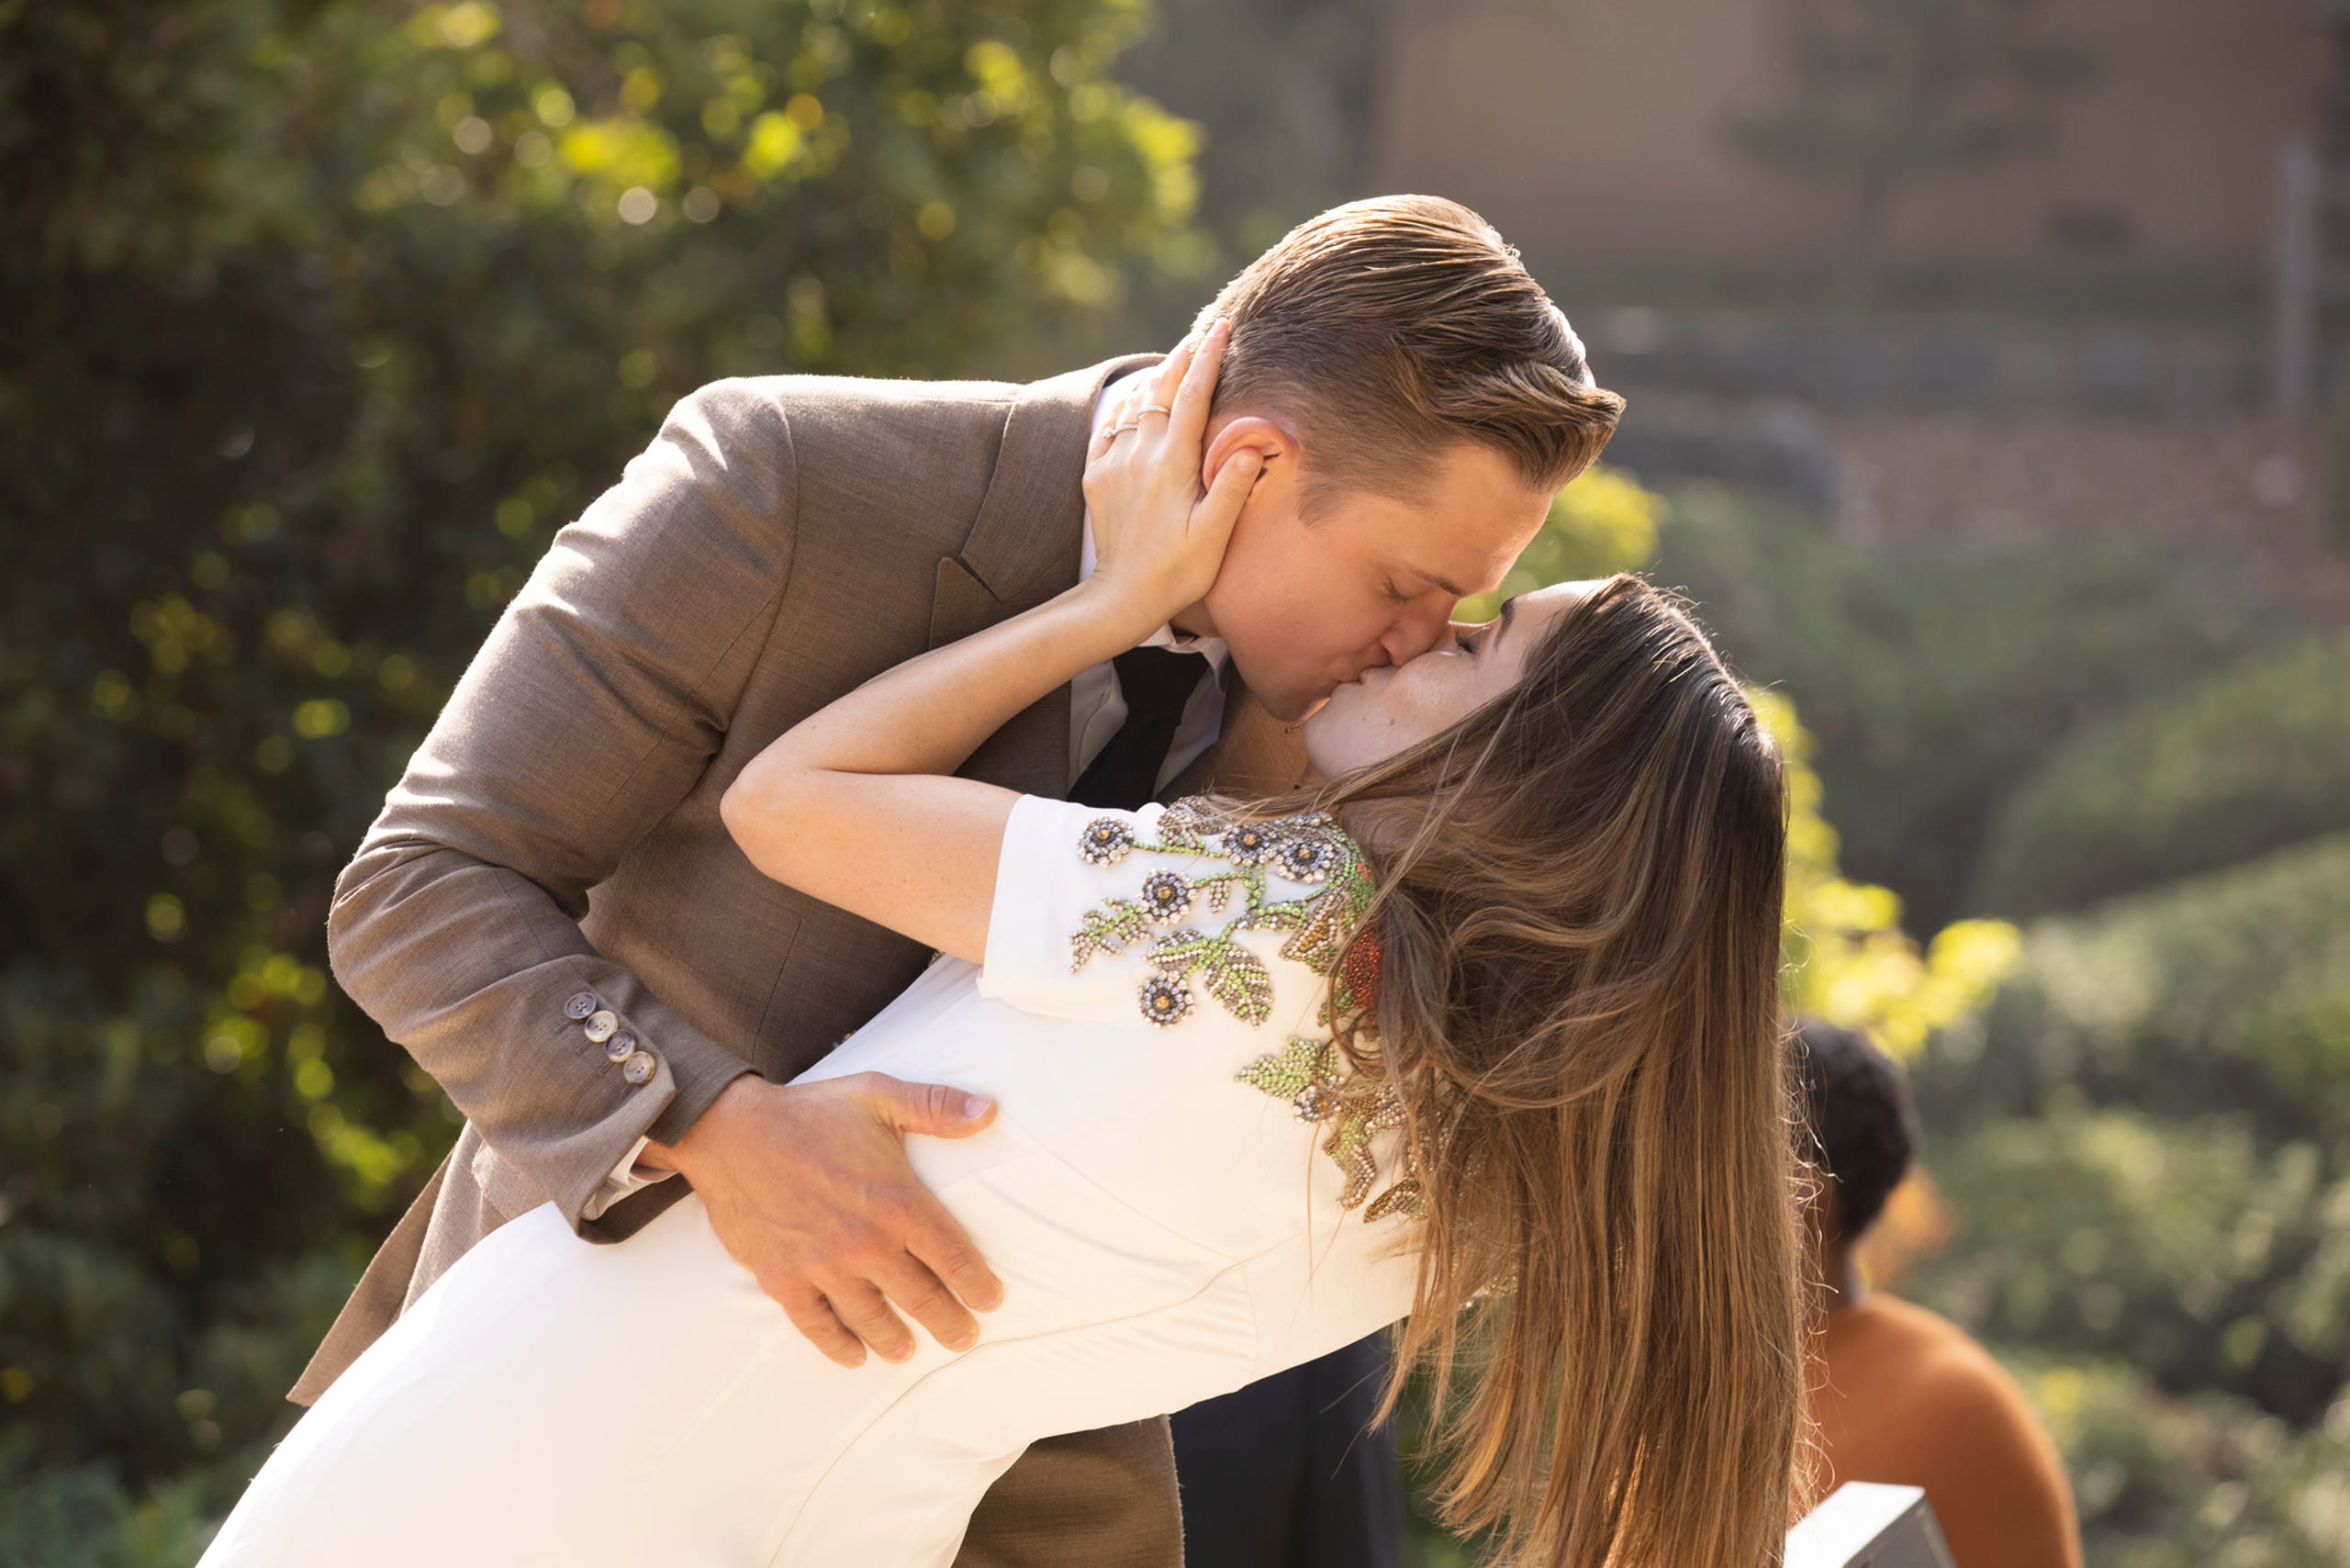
(1259, 756)
(1192, 621)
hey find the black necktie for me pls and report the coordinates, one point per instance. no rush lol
(1157, 684)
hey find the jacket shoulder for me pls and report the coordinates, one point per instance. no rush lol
(838, 413)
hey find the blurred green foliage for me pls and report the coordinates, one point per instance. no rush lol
(2195, 1251)
(2255, 758)
(2163, 1482)
(2137, 1129)
(2146, 1138)
(2225, 992)
(321, 316)
(1934, 682)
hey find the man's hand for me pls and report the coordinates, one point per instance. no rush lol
(809, 1188)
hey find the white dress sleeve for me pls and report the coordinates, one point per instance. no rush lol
(1045, 886)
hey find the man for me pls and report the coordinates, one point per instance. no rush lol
(1899, 1394)
(551, 917)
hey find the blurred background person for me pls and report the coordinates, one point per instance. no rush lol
(1901, 1395)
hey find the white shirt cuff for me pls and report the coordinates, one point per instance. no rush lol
(620, 1180)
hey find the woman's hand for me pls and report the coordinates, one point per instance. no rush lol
(1159, 539)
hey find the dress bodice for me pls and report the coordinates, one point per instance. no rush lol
(1155, 1004)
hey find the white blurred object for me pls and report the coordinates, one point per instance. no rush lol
(1864, 1524)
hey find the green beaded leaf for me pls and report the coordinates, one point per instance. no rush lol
(1313, 1077)
(1287, 1073)
(1180, 952)
(1240, 979)
(1109, 929)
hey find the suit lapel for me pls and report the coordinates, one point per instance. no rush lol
(1022, 550)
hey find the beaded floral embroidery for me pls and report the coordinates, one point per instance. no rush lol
(1312, 1076)
(1308, 847)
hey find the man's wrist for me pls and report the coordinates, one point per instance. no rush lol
(685, 1154)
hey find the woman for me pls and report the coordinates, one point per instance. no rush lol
(1513, 964)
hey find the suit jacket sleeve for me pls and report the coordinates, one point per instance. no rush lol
(593, 708)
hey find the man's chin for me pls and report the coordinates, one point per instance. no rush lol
(1293, 707)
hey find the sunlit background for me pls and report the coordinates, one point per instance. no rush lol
(1980, 358)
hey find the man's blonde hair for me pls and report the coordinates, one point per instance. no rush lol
(1390, 328)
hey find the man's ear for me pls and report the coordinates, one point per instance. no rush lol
(1274, 440)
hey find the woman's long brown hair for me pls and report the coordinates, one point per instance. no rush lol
(1579, 899)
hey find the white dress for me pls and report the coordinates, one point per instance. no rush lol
(1167, 1225)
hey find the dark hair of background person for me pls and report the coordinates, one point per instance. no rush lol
(1861, 1125)
(1391, 328)
(1578, 899)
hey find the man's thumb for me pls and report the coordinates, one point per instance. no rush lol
(939, 1110)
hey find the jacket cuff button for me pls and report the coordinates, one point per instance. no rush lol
(600, 1025)
(639, 1069)
(621, 1046)
(581, 1004)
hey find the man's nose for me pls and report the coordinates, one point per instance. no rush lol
(1415, 632)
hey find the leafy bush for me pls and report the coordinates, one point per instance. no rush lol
(321, 316)
(2230, 990)
(2187, 1250)
(2166, 1481)
(2252, 760)
(1933, 682)
(83, 1517)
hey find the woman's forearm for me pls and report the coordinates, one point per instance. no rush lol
(851, 805)
(929, 714)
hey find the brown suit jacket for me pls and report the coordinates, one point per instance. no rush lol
(785, 539)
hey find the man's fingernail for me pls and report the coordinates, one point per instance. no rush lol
(962, 1341)
(975, 1105)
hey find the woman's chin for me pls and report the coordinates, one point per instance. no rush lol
(1325, 732)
